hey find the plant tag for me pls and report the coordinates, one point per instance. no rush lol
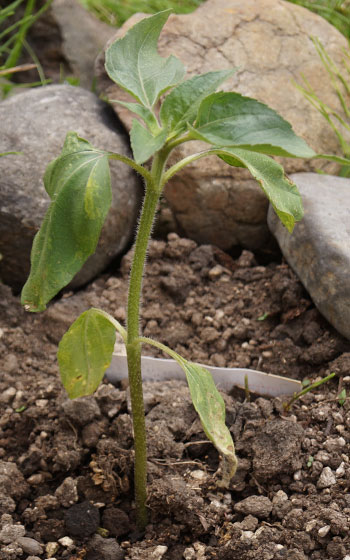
(159, 369)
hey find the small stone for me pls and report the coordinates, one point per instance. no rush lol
(258, 506)
(81, 411)
(10, 533)
(51, 548)
(247, 535)
(7, 395)
(215, 272)
(324, 531)
(340, 470)
(199, 474)
(335, 444)
(158, 552)
(67, 492)
(104, 549)
(30, 546)
(10, 363)
(327, 478)
(67, 542)
(189, 554)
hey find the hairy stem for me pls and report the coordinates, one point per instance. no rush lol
(133, 345)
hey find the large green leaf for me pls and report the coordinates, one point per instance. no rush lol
(210, 407)
(85, 352)
(181, 104)
(78, 182)
(135, 65)
(230, 119)
(282, 193)
(143, 144)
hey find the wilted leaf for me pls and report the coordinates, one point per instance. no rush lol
(85, 353)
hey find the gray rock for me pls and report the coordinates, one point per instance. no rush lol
(35, 123)
(104, 549)
(259, 506)
(30, 546)
(327, 478)
(11, 533)
(269, 41)
(12, 482)
(83, 37)
(81, 411)
(319, 248)
(67, 492)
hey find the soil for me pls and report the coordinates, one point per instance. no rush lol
(66, 480)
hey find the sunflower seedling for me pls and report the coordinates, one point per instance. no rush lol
(241, 131)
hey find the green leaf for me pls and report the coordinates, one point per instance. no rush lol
(146, 115)
(78, 182)
(143, 144)
(85, 352)
(281, 192)
(230, 119)
(135, 65)
(181, 104)
(210, 407)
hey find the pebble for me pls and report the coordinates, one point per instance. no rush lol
(158, 552)
(340, 470)
(10, 533)
(324, 531)
(215, 272)
(10, 363)
(67, 493)
(30, 546)
(67, 542)
(51, 548)
(8, 395)
(326, 479)
(258, 506)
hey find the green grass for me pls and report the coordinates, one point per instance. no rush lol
(337, 12)
(116, 12)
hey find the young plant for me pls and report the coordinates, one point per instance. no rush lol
(239, 130)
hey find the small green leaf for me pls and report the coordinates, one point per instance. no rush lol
(134, 64)
(230, 119)
(263, 316)
(342, 397)
(146, 115)
(181, 104)
(143, 144)
(85, 353)
(282, 193)
(78, 182)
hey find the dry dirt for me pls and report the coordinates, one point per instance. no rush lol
(66, 466)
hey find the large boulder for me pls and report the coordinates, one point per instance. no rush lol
(319, 248)
(35, 123)
(268, 41)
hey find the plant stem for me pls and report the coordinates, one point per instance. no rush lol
(133, 345)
